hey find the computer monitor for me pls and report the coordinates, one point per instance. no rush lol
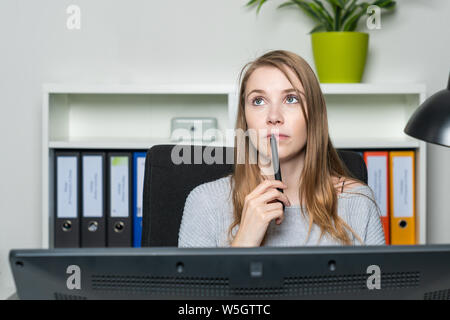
(367, 272)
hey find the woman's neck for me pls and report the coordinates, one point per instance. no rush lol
(291, 170)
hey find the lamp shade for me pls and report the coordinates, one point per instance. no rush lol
(431, 121)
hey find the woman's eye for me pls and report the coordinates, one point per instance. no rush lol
(291, 99)
(258, 101)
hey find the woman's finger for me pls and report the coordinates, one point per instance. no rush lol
(274, 206)
(264, 186)
(274, 214)
(274, 194)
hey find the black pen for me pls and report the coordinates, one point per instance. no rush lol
(276, 161)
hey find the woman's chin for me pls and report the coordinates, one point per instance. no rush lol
(284, 157)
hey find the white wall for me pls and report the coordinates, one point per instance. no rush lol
(138, 41)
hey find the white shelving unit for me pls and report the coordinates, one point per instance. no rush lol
(360, 116)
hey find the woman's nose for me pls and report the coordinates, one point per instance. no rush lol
(274, 115)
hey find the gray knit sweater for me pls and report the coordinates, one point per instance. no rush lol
(208, 213)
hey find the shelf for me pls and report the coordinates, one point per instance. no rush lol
(81, 116)
(138, 89)
(372, 88)
(120, 143)
(114, 116)
(133, 144)
(376, 143)
(327, 88)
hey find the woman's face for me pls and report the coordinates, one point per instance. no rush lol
(272, 105)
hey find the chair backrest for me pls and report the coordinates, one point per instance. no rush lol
(167, 185)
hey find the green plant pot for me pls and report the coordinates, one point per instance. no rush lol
(340, 57)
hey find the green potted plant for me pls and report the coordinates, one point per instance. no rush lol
(339, 51)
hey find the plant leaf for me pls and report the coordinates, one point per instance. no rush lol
(351, 8)
(392, 5)
(260, 5)
(317, 28)
(327, 20)
(342, 3)
(336, 3)
(337, 18)
(344, 14)
(308, 10)
(352, 23)
(251, 2)
(324, 11)
(286, 4)
(386, 4)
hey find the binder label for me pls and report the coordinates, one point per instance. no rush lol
(67, 204)
(92, 187)
(140, 185)
(403, 193)
(377, 177)
(119, 187)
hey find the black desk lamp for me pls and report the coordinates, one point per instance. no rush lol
(431, 121)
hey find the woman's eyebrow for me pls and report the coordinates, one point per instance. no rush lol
(262, 91)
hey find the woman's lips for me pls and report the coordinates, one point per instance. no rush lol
(279, 137)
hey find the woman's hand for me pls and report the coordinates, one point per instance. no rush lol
(260, 208)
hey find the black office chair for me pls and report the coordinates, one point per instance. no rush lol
(167, 185)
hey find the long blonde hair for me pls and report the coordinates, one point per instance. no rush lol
(317, 189)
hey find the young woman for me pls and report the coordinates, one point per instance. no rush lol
(323, 203)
